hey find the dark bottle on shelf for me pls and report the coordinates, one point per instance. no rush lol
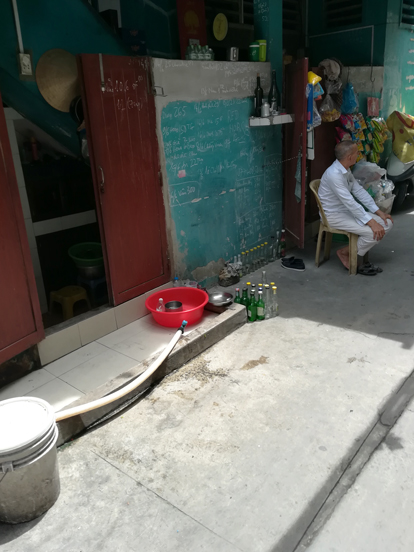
(274, 94)
(258, 97)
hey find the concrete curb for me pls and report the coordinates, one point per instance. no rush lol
(186, 349)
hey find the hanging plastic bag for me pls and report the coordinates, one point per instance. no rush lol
(350, 102)
(328, 109)
(317, 120)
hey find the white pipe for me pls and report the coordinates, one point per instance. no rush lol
(81, 409)
(17, 23)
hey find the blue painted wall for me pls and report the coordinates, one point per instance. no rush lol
(69, 24)
(352, 47)
(158, 18)
(398, 93)
(225, 187)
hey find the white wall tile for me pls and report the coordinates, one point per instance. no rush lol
(25, 204)
(12, 137)
(19, 171)
(130, 311)
(47, 226)
(30, 234)
(58, 344)
(36, 263)
(42, 295)
(78, 219)
(97, 326)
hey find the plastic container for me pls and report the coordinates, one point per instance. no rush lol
(254, 51)
(29, 474)
(193, 300)
(86, 254)
(262, 50)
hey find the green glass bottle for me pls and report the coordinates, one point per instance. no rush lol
(244, 300)
(252, 308)
(260, 307)
(237, 299)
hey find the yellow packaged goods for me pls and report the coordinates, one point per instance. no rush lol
(313, 78)
(330, 116)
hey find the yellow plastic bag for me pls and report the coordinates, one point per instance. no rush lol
(313, 78)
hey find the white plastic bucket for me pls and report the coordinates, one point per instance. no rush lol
(29, 474)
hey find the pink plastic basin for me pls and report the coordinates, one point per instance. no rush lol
(193, 300)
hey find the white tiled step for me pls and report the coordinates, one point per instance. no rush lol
(65, 380)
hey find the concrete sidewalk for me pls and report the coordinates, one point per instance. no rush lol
(245, 446)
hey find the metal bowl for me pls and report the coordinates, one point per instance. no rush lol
(173, 306)
(220, 298)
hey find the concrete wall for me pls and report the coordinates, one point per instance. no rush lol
(398, 91)
(222, 188)
(69, 24)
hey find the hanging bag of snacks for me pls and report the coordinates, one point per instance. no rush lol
(329, 111)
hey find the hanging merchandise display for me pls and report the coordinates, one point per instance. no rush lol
(350, 102)
(314, 92)
(369, 135)
(329, 110)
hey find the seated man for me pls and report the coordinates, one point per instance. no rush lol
(342, 211)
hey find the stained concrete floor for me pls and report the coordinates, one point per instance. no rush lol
(266, 442)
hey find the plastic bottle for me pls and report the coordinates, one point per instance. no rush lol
(252, 308)
(176, 282)
(237, 299)
(260, 307)
(161, 306)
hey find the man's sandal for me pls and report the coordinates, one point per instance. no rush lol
(367, 270)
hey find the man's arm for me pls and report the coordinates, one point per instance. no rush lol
(339, 188)
(363, 196)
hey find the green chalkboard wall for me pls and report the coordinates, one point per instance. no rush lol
(224, 179)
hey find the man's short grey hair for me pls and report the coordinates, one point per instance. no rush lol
(343, 149)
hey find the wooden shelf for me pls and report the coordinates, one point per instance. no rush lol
(272, 120)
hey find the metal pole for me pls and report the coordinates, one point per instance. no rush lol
(17, 23)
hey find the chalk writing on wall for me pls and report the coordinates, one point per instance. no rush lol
(261, 9)
(224, 184)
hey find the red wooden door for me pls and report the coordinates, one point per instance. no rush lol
(295, 143)
(121, 127)
(20, 317)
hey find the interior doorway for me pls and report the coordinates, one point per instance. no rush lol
(59, 210)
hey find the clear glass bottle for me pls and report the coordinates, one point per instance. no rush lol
(267, 302)
(275, 303)
(266, 253)
(277, 246)
(161, 306)
(264, 277)
(262, 255)
(260, 307)
(283, 244)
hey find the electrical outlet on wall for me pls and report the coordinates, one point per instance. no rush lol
(25, 64)
(25, 67)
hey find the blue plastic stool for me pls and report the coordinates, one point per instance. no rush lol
(96, 294)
